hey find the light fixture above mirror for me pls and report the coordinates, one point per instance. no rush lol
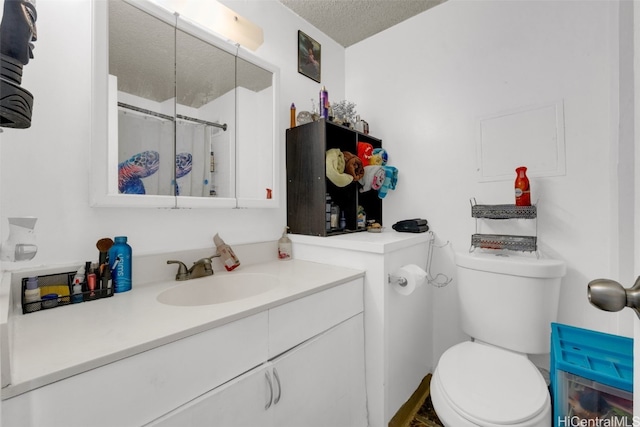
(219, 18)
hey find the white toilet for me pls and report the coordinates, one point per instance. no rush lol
(507, 304)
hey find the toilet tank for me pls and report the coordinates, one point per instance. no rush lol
(509, 300)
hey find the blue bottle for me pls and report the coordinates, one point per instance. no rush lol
(120, 263)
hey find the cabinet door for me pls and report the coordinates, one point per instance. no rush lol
(242, 402)
(321, 383)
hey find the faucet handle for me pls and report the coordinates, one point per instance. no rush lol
(206, 263)
(206, 260)
(183, 273)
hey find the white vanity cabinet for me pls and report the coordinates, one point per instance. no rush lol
(297, 363)
(319, 383)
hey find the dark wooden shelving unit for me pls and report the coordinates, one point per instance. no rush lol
(307, 183)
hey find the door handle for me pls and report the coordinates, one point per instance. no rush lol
(268, 377)
(277, 377)
(609, 295)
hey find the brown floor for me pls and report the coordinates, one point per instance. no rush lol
(418, 410)
(426, 416)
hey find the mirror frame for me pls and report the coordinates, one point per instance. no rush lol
(275, 176)
(104, 142)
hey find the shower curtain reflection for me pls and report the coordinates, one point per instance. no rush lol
(189, 137)
(197, 172)
(145, 154)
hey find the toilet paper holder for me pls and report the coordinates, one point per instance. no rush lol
(397, 280)
(440, 280)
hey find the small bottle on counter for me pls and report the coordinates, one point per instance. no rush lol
(120, 264)
(77, 292)
(229, 258)
(522, 189)
(327, 211)
(293, 115)
(32, 300)
(335, 216)
(92, 280)
(361, 218)
(284, 246)
(78, 279)
(324, 103)
(106, 283)
(359, 126)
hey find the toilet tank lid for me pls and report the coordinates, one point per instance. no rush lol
(513, 264)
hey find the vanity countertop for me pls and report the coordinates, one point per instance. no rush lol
(51, 345)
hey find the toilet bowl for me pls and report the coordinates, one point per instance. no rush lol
(476, 384)
(507, 304)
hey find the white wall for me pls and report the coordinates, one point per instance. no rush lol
(45, 169)
(428, 80)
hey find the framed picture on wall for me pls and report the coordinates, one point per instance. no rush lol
(308, 56)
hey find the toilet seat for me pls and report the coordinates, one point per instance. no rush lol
(489, 386)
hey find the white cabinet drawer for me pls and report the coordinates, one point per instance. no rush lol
(140, 388)
(299, 320)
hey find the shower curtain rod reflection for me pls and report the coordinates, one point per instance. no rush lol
(167, 117)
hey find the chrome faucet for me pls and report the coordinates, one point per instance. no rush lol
(200, 268)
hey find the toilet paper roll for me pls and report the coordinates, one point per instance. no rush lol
(414, 276)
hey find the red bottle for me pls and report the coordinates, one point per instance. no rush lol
(523, 192)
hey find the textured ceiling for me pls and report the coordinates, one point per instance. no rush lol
(147, 55)
(142, 54)
(350, 21)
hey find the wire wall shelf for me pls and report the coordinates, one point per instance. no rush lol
(503, 211)
(504, 241)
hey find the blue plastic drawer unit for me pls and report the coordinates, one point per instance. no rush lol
(591, 377)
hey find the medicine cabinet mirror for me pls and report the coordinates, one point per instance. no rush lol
(181, 118)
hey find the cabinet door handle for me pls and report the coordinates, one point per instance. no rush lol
(275, 375)
(268, 377)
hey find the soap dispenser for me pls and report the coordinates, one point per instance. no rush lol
(284, 246)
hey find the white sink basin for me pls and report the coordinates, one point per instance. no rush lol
(219, 289)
